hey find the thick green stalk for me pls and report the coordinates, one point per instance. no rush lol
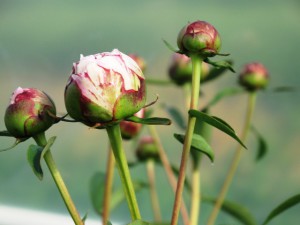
(108, 186)
(168, 168)
(187, 87)
(41, 141)
(235, 162)
(115, 138)
(195, 195)
(205, 131)
(196, 63)
(154, 197)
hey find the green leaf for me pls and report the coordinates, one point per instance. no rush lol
(215, 72)
(224, 93)
(290, 202)
(205, 130)
(5, 133)
(217, 123)
(34, 154)
(198, 143)
(220, 64)
(108, 223)
(285, 89)
(223, 122)
(149, 121)
(97, 184)
(262, 144)
(176, 116)
(236, 210)
(139, 222)
(50, 142)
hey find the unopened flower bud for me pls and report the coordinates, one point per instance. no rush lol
(180, 70)
(105, 87)
(199, 38)
(29, 113)
(131, 129)
(147, 149)
(254, 76)
(139, 60)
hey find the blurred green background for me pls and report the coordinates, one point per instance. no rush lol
(39, 41)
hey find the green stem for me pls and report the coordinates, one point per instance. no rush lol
(158, 82)
(187, 93)
(235, 162)
(108, 186)
(154, 197)
(41, 141)
(196, 63)
(168, 169)
(196, 195)
(115, 138)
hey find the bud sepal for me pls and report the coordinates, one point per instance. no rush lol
(220, 64)
(150, 121)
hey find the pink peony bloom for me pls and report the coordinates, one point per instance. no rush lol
(105, 87)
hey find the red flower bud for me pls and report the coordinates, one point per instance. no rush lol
(180, 70)
(131, 129)
(28, 113)
(199, 38)
(105, 87)
(147, 149)
(254, 76)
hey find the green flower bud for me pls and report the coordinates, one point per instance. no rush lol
(199, 38)
(105, 88)
(147, 149)
(130, 129)
(180, 70)
(28, 113)
(254, 76)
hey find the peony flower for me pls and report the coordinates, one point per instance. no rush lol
(28, 113)
(254, 76)
(131, 129)
(199, 38)
(105, 87)
(147, 149)
(180, 70)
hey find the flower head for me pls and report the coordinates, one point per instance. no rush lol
(29, 112)
(147, 149)
(254, 76)
(105, 87)
(131, 129)
(199, 38)
(180, 70)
